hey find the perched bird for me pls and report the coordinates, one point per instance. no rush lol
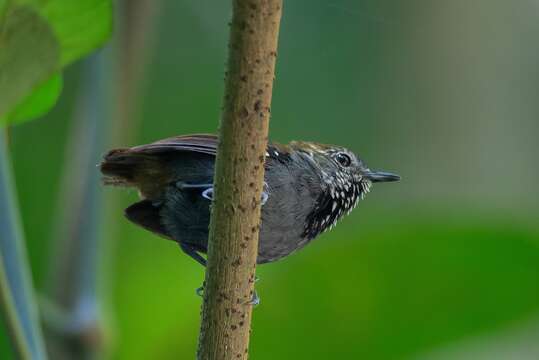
(308, 187)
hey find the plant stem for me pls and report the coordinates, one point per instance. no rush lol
(74, 279)
(16, 290)
(134, 44)
(239, 175)
(75, 314)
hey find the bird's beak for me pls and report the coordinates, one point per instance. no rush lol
(381, 176)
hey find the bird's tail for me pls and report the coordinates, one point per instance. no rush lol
(119, 168)
(124, 167)
(146, 214)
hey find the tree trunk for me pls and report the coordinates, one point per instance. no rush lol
(239, 174)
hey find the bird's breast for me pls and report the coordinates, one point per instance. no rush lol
(291, 197)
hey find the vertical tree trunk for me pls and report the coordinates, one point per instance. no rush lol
(239, 174)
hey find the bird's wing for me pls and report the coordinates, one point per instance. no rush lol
(144, 166)
(201, 143)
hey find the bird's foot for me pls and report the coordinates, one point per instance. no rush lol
(200, 290)
(255, 300)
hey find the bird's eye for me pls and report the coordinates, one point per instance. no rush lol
(343, 159)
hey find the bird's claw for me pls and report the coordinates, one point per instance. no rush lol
(255, 300)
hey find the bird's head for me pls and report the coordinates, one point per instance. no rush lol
(346, 179)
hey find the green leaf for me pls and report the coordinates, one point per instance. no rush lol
(80, 26)
(39, 102)
(29, 54)
(37, 39)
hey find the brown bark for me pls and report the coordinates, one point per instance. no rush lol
(239, 174)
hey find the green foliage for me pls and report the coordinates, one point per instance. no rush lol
(29, 55)
(40, 100)
(80, 26)
(390, 281)
(37, 39)
(360, 291)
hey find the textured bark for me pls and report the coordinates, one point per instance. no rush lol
(239, 174)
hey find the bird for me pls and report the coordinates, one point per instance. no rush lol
(308, 187)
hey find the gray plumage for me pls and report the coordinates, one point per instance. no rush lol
(308, 187)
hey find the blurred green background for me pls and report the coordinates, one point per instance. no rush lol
(443, 265)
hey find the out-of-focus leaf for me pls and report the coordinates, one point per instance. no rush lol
(38, 38)
(2, 8)
(40, 101)
(80, 26)
(29, 54)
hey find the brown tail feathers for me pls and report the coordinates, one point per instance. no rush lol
(124, 167)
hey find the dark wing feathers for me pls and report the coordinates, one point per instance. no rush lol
(202, 143)
(145, 214)
(143, 167)
(146, 166)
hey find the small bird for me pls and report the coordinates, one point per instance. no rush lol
(308, 187)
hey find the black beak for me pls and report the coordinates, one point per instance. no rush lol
(381, 176)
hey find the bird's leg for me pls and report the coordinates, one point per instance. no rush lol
(255, 300)
(191, 251)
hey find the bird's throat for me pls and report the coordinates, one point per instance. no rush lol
(340, 198)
